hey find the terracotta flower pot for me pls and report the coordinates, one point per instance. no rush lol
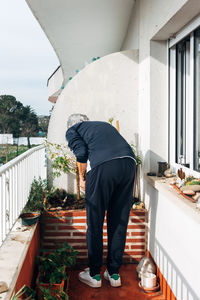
(53, 287)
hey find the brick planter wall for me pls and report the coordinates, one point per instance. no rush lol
(70, 226)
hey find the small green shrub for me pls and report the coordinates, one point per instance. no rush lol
(62, 161)
(36, 196)
(52, 265)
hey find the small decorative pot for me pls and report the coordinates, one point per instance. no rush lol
(29, 218)
(148, 280)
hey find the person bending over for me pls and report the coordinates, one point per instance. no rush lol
(107, 167)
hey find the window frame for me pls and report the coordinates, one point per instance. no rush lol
(188, 31)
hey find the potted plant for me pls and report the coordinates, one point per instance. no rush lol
(59, 294)
(25, 292)
(34, 206)
(63, 162)
(54, 270)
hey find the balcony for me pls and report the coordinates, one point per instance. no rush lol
(143, 236)
(134, 81)
(20, 245)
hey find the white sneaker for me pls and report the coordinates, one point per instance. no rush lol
(85, 277)
(114, 279)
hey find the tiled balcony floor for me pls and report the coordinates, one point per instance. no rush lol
(128, 290)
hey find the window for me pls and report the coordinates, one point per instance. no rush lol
(184, 57)
(197, 101)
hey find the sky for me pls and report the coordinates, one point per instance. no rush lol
(27, 58)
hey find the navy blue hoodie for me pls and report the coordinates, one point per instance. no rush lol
(98, 142)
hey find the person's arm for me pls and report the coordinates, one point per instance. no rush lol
(77, 144)
(80, 150)
(82, 171)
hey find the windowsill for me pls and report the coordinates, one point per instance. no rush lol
(162, 185)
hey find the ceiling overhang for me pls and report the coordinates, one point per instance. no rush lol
(81, 30)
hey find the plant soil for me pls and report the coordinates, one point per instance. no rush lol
(69, 203)
(73, 203)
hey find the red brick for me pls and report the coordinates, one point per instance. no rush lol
(80, 247)
(66, 213)
(142, 247)
(133, 253)
(135, 241)
(137, 212)
(78, 221)
(82, 241)
(47, 214)
(75, 213)
(72, 227)
(130, 241)
(57, 233)
(136, 226)
(105, 234)
(134, 220)
(105, 247)
(136, 233)
(54, 220)
(79, 233)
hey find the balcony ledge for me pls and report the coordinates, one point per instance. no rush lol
(12, 255)
(163, 185)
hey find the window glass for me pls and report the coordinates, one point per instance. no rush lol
(197, 101)
(182, 96)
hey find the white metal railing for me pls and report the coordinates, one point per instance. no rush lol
(16, 177)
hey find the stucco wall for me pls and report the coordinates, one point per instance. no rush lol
(174, 236)
(106, 88)
(173, 230)
(149, 18)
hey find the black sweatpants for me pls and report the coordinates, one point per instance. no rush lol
(109, 187)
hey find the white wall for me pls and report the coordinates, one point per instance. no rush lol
(6, 138)
(106, 88)
(149, 18)
(173, 232)
(174, 241)
(33, 141)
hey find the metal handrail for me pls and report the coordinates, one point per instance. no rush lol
(19, 158)
(16, 177)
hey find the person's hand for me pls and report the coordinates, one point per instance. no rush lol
(82, 170)
(82, 183)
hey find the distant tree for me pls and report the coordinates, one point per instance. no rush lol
(11, 112)
(29, 123)
(43, 122)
